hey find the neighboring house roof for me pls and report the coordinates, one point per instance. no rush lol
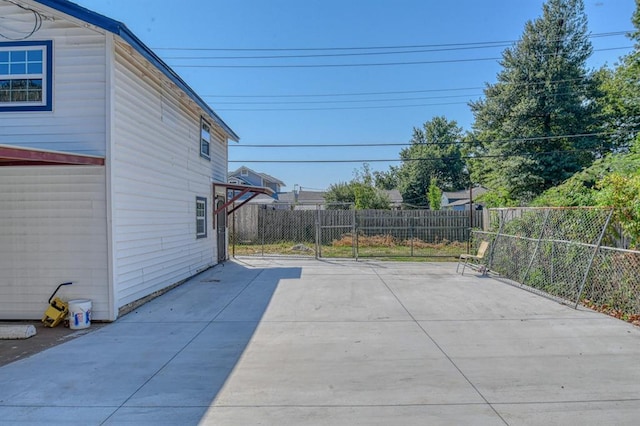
(239, 180)
(262, 199)
(271, 179)
(121, 30)
(394, 196)
(464, 194)
(310, 196)
(264, 176)
(463, 202)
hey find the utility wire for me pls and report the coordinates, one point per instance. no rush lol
(396, 160)
(345, 101)
(335, 48)
(379, 64)
(371, 64)
(468, 95)
(37, 22)
(333, 55)
(311, 95)
(397, 92)
(339, 108)
(356, 145)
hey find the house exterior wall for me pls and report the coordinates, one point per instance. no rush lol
(54, 229)
(157, 173)
(108, 101)
(77, 121)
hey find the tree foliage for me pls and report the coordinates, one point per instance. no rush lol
(621, 118)
(620, 89)
(434, 153)
(622, 192)
(386, 180)
(435, 195)
(543, 93)
(360, 192)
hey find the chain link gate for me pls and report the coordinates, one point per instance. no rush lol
(340, 231)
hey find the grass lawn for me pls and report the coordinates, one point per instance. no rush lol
(367, 247)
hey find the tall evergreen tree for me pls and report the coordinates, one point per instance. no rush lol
(527, 122)
(621, 91)
(434, 154)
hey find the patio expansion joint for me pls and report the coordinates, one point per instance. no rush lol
(426, 333)
(195, 336)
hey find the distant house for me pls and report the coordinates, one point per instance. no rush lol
(246, 176)
(309, 200)
(459, 200)
(302, 199)
(107, 159)
(395, 198)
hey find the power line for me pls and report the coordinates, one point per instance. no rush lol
(310, 95)
(468, 95)
(337, 48)
(338, 108)
(396, 92)
(371, 64)
(395, 160)
(345, 101)
(360, 145)
(333, 55)
(379, 64)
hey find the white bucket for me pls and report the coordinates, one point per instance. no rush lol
(79, 314)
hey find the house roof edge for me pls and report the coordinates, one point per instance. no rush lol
(120, 29)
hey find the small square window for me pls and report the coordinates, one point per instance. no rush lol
(201, 217)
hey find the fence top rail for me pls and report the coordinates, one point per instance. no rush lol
(620, 250)
(551, 208)
(550, 240)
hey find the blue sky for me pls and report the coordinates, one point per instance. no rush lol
(340, 104)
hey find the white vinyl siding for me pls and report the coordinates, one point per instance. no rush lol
(157, 174)
(53, 229)
(77, 122)
(219, 155)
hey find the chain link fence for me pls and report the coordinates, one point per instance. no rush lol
(567, 253)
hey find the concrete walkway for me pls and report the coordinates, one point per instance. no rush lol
(306, 342)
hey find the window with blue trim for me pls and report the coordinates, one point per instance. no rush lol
(25, 76)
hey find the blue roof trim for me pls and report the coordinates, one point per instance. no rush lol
(121, 30)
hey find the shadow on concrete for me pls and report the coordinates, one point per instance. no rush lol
(177, 350)
(220, 311)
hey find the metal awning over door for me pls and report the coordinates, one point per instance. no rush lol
(238, 192)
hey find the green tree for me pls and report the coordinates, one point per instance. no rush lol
(543, 93)
(622, 192)
(386, 180)
(434, 153)
(339, 194)
(620, 89)
(435, 195)
(621, 118)
(360, 192)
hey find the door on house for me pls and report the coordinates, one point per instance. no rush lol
(221, 229)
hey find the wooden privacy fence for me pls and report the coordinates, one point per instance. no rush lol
(255, 225)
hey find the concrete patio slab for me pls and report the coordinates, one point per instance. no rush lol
(312, 342)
